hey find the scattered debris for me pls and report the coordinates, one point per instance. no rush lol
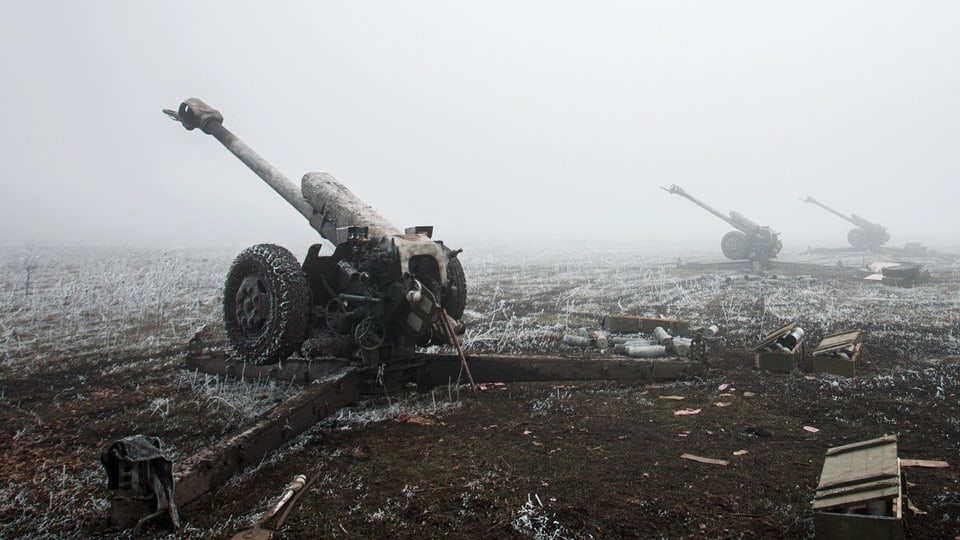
(927, 463)
(749, 394)
(723, 403)
(673, 398)
(686, 412)
(741, 452)
(257, 531)
(701, 459)
(811, 429)
(913, 508)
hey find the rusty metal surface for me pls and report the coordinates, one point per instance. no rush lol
(207, 470)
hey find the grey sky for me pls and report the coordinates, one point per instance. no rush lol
(548, 120)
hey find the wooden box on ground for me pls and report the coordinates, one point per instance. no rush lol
(633, 324)
(839, 353)
(781, 350)
(859, 494)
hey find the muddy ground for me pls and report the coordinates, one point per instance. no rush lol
(526, 460)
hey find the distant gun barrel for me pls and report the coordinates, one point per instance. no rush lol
(327, 204)
(861, 222)
(677, 190)
(743, 223)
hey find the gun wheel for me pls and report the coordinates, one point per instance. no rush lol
(456, 299)
(857, 238)
(735, 246)
(266, 302)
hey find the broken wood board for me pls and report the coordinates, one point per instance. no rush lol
(927, 463)
(701, 459)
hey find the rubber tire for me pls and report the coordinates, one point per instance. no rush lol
(858, 238)
(456, 301)
(287, 294)
(735, 246)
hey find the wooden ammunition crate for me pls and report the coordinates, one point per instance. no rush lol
(859, 495)
(778, 360)
(825, 356)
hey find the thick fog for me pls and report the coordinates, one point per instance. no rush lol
(496, 122)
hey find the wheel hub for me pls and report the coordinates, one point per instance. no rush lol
(253, 305)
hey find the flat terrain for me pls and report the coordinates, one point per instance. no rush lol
(91, 350)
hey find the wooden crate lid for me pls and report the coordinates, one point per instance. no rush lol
(858, 473)
(775, 335)
(837, 341)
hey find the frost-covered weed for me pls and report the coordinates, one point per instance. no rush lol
(80, 300)
(533, 522)
(54, 503)
(558, 402)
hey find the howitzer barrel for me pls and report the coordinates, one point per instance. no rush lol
(811, 200)
(327, 204)
(677, 190)
(743, 223)
(869, 225)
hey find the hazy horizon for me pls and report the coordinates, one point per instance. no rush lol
(550, 123)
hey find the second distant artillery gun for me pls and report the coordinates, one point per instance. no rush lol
(749, 242)
(380, 294)
(865, 235)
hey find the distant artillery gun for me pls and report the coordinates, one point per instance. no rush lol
(866, 235)
(749, 242)
(380, 294)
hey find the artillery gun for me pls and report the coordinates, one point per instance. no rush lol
(379, 295)
(749, 242)
(866, 235)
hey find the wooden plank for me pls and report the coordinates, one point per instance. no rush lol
(701, 459)
(928, 463)
(218, 463)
